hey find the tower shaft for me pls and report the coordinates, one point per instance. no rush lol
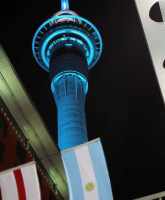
(69, 96)
(68, 73)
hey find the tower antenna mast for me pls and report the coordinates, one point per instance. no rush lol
(64, 4)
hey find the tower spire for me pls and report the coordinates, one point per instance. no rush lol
(64, 4)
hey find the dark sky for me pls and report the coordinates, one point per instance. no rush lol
(124, 105)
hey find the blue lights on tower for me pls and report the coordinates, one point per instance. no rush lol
(67, 46)
(64, 4)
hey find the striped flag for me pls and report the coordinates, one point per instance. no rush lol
(20, 183)
(86, 172)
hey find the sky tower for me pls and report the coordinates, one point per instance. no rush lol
(67, 46)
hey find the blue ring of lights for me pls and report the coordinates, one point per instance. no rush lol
(72, 73)
(57, 33)
(82, 30)
(70, 42)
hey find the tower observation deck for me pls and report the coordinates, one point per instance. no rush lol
(68, 46)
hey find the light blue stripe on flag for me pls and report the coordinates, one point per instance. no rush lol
(100, 169)
(73, 176)
(87, 173)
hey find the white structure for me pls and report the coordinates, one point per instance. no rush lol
(155, 36)
(154, 32)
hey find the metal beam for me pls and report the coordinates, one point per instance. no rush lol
(157, 196)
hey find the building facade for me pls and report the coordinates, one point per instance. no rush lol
(23, 136)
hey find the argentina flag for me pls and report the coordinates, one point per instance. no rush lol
(86, 172)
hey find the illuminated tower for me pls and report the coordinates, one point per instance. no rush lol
(67, 46)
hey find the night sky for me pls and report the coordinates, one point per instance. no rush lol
(124, 104)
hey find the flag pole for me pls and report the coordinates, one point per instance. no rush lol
(64, 4)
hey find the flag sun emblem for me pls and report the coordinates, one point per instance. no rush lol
(89, 187)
